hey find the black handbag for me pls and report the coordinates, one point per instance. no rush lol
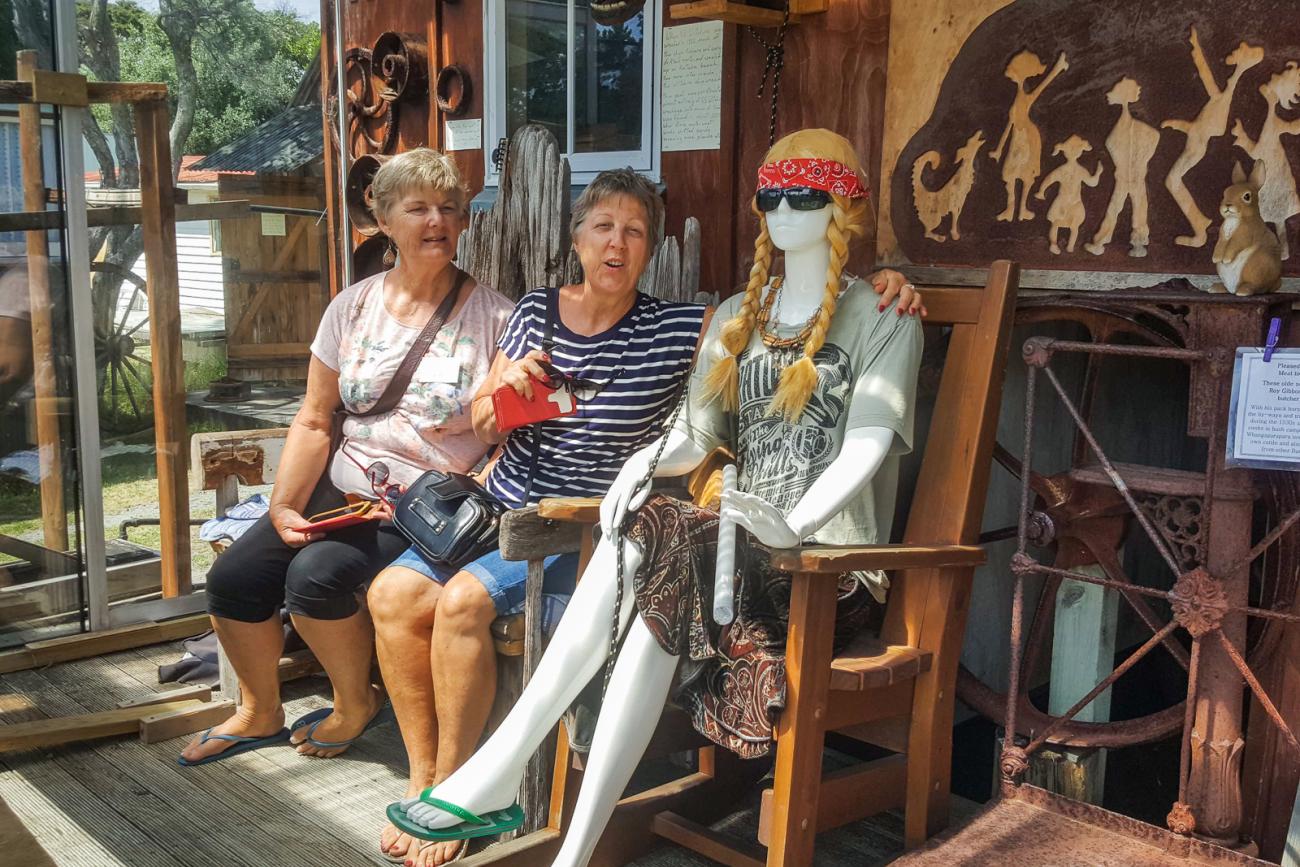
(449, 517)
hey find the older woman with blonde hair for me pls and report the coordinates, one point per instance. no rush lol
(634, 352)
(424, 322)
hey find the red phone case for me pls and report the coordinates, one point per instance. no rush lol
(339, 522)
(514, 411)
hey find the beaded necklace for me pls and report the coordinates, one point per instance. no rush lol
(770, 339)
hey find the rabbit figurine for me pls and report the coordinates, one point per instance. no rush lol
(1247, 255)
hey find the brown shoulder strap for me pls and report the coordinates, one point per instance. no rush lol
(402, 378)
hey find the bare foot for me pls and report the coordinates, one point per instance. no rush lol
(243, 724)
(394, 843)
(340, 727)
(435, 853)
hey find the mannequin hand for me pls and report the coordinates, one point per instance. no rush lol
(520, 374)
(889, 284)
(763, 520)
(623, 495)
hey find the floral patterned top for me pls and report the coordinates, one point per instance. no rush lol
(430, 428)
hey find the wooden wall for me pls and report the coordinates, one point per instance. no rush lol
(273, 289)
(834, 77)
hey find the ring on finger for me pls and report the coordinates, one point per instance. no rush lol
(908, 286)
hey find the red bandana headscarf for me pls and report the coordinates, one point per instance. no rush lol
(827, 175)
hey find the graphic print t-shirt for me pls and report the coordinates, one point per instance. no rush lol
(866, 377)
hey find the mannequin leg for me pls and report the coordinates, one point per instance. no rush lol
(490, 779)
(628, 717)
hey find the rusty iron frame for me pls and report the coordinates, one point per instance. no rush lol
(1197, 599)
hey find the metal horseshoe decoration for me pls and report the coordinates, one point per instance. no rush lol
(400, 63)
(453, 90)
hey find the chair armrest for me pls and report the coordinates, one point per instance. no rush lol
(581, 510)
(849, 558)
(526, 535)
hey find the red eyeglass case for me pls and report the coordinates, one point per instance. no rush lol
(513, 410)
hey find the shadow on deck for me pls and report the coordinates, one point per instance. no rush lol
(120, 803)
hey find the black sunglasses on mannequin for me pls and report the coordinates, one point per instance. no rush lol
(800, 198)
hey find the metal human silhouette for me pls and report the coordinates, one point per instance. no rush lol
(1131, 144)
(1278, 200)
(1067, 210)
(1021, 141)
(1212, 122)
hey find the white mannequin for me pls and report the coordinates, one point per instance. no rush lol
(643, 673)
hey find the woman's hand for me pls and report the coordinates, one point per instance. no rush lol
(520, 374)
(624, 495)
(763, 520)
(292, 527)
(889, 284)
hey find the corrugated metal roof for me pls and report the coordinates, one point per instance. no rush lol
(283, 144)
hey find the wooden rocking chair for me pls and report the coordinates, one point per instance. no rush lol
(895, 690)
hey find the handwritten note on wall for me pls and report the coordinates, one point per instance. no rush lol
(692, 87)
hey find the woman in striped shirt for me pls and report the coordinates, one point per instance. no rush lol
(636, 350)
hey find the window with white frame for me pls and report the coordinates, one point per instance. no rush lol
(584, 72)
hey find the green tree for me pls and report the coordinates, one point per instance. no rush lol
(227, 65)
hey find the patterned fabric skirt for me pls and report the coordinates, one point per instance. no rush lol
(732, 678)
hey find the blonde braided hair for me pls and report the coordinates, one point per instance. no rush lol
(723, 380)
(848, 219)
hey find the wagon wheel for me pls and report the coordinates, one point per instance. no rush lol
(115, 358)
(1087, 521)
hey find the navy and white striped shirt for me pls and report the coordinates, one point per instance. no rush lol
(640, 362)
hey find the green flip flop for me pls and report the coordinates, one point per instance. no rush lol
(495, 822)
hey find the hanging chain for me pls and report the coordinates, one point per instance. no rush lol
(643, 485)
(773, 64)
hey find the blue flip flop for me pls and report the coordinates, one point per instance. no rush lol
(242, 744)
(316, 717)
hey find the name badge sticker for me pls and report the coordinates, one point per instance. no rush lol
(439, 370)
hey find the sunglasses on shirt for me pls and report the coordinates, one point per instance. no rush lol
(800, 198)
(377, 474)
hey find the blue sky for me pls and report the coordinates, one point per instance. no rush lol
(308, 10)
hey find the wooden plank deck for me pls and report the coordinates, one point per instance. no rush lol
(120, 803)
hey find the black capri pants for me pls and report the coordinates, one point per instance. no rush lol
(259, 573)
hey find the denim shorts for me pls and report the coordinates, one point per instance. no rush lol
(504, 580)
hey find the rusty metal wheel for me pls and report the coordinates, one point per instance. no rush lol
(1081, 514)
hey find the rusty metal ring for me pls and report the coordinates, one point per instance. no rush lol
(453, 90)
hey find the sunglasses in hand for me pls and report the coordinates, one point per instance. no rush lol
(582, 389)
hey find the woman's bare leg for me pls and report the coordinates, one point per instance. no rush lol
(343, 648)
(254, 652)
(402, 604)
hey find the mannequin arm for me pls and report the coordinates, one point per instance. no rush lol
(681, 455)
(863, 452)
